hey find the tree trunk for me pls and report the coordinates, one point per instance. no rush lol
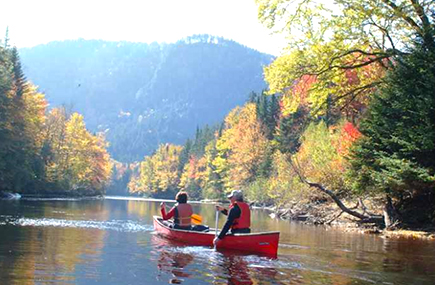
(390, 214)
(363, 217)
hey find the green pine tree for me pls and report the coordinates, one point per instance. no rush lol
(273, 116)
(290, 129)
(18, 74)
(396, 155)
(184, 155)
(17, 167)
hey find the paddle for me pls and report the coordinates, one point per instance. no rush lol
(216, 226)
(196, 219)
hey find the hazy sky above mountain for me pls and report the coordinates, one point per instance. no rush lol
(35, 22)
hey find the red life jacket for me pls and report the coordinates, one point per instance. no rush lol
(182, 214)
(244, 222)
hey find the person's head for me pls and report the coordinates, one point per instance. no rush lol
(236, 196)
(181, 197)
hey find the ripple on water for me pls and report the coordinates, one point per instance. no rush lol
(293, 246)
(114, 225)
(201, 262)
(222, 263)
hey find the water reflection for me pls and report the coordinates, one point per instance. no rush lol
(175, 262)
(172, 261)
(401, 254)
(237, 270)
(49, 254)
(112, 242)
(142, 209)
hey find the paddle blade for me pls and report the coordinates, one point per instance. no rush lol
(196, 219)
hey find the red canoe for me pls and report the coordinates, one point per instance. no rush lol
(258, 243)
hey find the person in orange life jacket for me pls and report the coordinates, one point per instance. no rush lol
(239, 216)
(181, 212)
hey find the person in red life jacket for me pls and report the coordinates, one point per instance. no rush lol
(181, 212)
(239, 216)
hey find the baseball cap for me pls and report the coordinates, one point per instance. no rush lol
(235, 193)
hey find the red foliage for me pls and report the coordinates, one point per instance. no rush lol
(351, 131)
(348, 135)
(192, 170)
(352, 77)
(302, 86)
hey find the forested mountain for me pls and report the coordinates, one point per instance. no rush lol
(142, 94)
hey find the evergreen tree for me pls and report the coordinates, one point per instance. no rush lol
(6, 40)
(273, 116)
(267, 108)
(202, 138)
(184, 155)
(5, 122)
(21, 118)
(397, 153)
(252, 97)
(290, 129)
(19, 78)
(14, 153)
(265, 167)
(262, 105)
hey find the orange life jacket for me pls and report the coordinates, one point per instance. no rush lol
(244, 222)
(182, 214)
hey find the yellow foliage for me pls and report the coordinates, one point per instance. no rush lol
(319, 158)
(241, 148)
(35, 107)
(284, 185)
(159, 172)
(344, 48)
(78, 159)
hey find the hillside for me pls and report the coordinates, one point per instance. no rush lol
(142, 94)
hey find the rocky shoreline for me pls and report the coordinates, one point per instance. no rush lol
(327, 213)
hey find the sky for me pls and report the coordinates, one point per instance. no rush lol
(33, 22)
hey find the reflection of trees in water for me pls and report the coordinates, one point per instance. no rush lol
(238, 272)
(172, 262)
(401, 255)
(144, 209)
(9, 261)
(175, 263)
(49, 254)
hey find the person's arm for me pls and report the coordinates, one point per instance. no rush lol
(170, 214)
(232, 215)
(222, 210)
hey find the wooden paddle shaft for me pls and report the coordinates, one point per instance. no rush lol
(216, 224)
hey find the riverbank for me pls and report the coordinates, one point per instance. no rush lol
(329, 214)
(321, 212)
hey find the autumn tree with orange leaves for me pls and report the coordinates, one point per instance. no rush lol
(241, 148)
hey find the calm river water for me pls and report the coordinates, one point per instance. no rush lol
(111, 241)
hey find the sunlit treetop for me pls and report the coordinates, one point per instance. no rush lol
(387, 24)
(326, 39)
